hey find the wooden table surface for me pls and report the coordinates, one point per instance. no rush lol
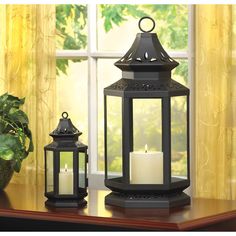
(27, 202)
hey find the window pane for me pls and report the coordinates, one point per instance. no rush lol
(72, 94)
(107, 74)
(71, 26)
(180, 73)
(179, 137)
(118, 25)
(114, 135)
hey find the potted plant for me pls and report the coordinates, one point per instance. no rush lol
(15, 137)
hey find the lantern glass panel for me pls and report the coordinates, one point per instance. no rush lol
(179, 138)
(66, 161)
(66, 173)
(147, 125)
(146, 160)
(49, 171)
(81, 168)
(114, 136)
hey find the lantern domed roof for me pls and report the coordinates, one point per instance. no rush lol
(146, 54)
(65, 127)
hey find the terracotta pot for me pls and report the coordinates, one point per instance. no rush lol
(6, 173)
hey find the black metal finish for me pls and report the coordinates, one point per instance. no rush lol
(147, 200)
(105, 136)
(118, 184)
(166, 139)
(146, 73)
(188, 139)
(146, 55)
(65, 128)
(65, 139)
(67, 203)
(127, 136)
(156, 88)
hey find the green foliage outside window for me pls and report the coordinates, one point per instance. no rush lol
(172, 30)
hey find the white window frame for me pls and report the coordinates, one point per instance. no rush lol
(96, 178)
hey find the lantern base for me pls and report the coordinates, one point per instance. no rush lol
(147, 200)
(66, 203)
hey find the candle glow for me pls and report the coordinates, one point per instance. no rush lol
(66, 181)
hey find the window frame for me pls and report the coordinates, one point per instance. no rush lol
(96, 178)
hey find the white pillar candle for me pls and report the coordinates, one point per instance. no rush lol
(146, 167)
(66, 181)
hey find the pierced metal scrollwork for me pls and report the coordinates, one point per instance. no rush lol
(131, 85)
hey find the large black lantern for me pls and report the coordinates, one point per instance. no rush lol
(147, 129)
(66, 161)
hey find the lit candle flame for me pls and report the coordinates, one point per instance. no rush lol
(65, 167)
(146, 148)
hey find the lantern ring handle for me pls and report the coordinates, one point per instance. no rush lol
(146, 31)
(64, 115)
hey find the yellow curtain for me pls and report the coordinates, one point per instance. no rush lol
(27, 69)
(215, 95)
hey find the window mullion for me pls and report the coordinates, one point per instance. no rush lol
(92, 88)
(191, 84)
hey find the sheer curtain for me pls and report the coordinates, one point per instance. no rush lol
(215, 96)
(27, 69)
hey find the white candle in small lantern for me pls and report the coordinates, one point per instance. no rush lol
(146, 167)
(66, 181)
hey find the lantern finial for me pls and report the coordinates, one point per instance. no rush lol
(65, 127)
(143, 18)
(64, 115)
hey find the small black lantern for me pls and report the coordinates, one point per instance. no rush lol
(66, 161)
(147, 154)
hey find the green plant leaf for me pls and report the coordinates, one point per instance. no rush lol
(18, 116)
(6, 153)
(11, 141)
(15, 136)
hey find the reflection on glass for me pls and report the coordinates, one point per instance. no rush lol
(147, 124)
(82, 164)
(72, 94)
(107, 74)
(171, 25)
(66, 173)
(71, 26)
(114, 135)
(179, 137)
(49, 171)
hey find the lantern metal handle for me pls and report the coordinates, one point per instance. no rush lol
(146, 31)
(64, 115)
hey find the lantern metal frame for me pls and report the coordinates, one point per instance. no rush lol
(146, 73)
(65, 139)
